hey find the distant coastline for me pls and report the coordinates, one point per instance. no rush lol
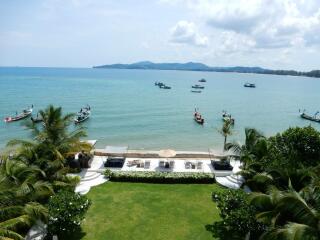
(193, 66)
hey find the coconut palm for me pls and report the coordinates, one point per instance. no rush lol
(52, 144)
(226, 131)
(255, 147)
(17, 217)
(282, 179)
(21, 191)
(288, 215)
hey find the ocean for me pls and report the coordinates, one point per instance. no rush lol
(128, 109)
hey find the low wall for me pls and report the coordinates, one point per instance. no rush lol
(155, 154)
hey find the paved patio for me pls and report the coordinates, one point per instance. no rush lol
(94, 175)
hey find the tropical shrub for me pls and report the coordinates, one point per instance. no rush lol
(66, 211)
(295, 147)
(160, 177)
(33, 170)
(238, 216)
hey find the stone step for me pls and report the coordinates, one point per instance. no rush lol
(90, 176)
(96, 170)
(227, 183)
(234, 179)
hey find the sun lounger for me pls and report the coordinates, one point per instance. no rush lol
(199, 165)
(171, 164)
(147, 164)
(187, 164)
(141, 164)
(162, 164)
(130, 163)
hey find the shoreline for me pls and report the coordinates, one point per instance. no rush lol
(134, 153)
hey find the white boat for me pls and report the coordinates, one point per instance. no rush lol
(82, 115)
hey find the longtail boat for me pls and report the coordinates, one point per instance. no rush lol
(25, 113)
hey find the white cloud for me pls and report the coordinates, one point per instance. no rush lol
(186, 33)
(270, 23)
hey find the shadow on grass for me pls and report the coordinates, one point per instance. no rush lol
(219, 231)
(76, 235)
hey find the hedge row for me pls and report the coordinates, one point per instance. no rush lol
(159, 177)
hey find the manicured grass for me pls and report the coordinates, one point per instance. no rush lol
(150, 211)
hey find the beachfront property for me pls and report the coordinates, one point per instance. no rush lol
(120, 158)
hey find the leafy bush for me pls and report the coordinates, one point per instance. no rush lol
(66, 210)
(160, 177)
(238, 216)
(108, 173)
(295, 147)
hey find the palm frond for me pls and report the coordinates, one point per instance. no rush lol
(6, 234)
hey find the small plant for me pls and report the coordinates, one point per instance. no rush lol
(66, 211)
(108, 173)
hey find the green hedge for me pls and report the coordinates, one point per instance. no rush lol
(159, 177)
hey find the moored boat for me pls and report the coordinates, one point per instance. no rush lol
(37, 119)
(197, 117)
(249, 85)
(227, 117)
(159, 84)
(196, 91)
(197, 86)
(202, 80)
(314, 118)
(83, 114)
(24, 114)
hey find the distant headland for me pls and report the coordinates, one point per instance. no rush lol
(194, 66)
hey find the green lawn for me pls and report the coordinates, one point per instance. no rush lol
(150, 211)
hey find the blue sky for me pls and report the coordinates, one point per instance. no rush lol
(82, 33)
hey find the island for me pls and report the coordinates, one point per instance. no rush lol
(194, 66)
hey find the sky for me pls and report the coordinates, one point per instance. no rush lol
(276, 34)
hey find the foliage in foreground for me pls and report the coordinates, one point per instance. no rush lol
(66, 211)
(283, 171)
(34, 170)
(238, 216)
(295, 148)
(160, 177)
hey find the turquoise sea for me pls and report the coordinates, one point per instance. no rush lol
(127, 109)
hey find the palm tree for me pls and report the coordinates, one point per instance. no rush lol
(288, 215)
(52, 144)
(255, 147)
(21, 192)
(17, 217)
(226, 131)
(36, 169)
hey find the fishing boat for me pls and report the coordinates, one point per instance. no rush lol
(197, 86)
(25, 113)
(196, 91)
(197, 117)
(202, 80)
(37, 119)
(314, 118)
(159, 84)
(83, 114)
(249, 85)
(227, 117)
(163, 86)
